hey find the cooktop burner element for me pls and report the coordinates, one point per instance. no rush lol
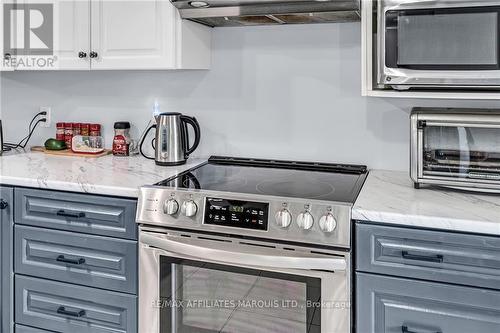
(318, 181)
(279, 200)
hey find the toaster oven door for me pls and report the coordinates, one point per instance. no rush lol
(460, 154)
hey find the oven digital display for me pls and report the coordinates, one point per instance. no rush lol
(236, 213)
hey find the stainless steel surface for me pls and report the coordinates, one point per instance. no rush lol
(403, 78)
(283, 218)
(248, 244)
(468, 118)
(171, 144)
(327, 222)
(171, 207)
(231, 255)
(305, 220)
(170, 147)
(152, 198)
(259, 12)
(189, 208)
(331, 267)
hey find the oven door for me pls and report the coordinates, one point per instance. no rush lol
(206, 284)
(439, 43)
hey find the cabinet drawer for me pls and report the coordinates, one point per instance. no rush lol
(395, 305)
(94, 261)
(76, 212)
(63, 307)
(430, 255)
(26, 329)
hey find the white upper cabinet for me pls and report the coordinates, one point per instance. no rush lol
(72, 29)
(5, 54)
(125, 35)
(133, 34)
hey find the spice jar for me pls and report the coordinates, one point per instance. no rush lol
(76, 129)
(121, 141)
(85, 129)
(95, 131)
(60, 131)
(68, 134)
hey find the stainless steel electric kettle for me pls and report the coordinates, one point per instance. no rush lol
(171, 142)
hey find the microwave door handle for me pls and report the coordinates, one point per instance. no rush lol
(245, 258)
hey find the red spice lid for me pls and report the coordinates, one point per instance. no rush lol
(77, 125)
(85, 125)
(59, 125)
(95, 127)
(68, 125)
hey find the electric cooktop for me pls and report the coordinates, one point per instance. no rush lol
(304, 180)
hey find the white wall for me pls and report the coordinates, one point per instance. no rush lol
(290, 92)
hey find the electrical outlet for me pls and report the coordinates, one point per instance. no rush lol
(48, 116)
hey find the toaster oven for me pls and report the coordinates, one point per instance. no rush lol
(457, 148)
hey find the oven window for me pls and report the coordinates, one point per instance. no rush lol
(463, 152)
(199, 297)
(453, 39)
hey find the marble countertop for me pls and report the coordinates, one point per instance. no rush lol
(109, 175)
(389, 197)
(386, 197)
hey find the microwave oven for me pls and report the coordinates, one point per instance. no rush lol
(458, 148)
(438, 44)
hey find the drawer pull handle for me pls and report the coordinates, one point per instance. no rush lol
(79, 261)
(405, 329)
(62, 212)
(436, 258)
(3, 204)
(62, 310)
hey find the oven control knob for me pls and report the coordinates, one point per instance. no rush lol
(327, 222)
(171, 207)
(305, 220)
(283, 218)
(189, 208)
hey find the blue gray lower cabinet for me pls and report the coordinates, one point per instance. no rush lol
(429, 255)
(395, 305)
(94, 261)
(63, 307)
(424, 281)
(75, 262)
(92, 214)
(27, 329)
(6, 261)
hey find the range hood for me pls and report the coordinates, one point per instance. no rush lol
(230, 13)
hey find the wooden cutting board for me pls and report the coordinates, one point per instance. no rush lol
(68, 152)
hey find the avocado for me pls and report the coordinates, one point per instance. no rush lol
(53, 144)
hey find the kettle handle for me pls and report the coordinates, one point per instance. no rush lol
(197, 133)
(142, 142)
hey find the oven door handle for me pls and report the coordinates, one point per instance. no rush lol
(244, 258)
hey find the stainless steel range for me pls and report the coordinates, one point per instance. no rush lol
(246, 245)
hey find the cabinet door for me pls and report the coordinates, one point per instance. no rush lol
(6, 261)
(394, 305)
(5, 64)
(71, 35)
(133, 34)
(72, 26)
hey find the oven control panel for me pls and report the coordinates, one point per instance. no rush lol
(236, 213)
(289, 219)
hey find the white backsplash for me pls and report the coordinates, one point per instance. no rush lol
(289, 92)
